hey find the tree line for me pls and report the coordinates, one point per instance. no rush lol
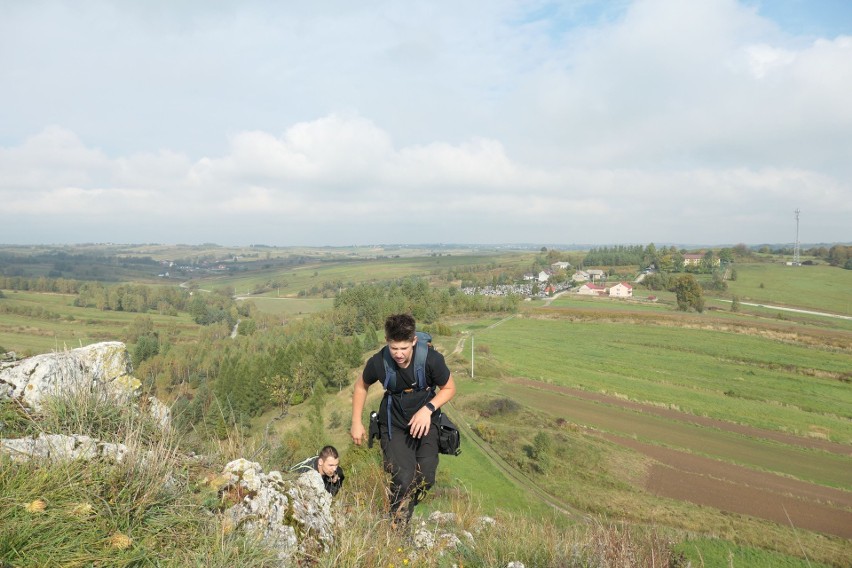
(219, 382)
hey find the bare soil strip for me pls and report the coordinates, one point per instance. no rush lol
(751, 431)
(736, 489)
(726, 486)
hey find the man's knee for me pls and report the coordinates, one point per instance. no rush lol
(403, 478)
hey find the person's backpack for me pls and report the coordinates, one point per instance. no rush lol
(421, 349)
(304, 465)
(449, 439)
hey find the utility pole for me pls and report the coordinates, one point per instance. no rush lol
(471, 356)
(796, 256)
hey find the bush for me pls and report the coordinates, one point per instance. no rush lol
(499, 406)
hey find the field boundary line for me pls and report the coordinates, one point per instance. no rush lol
(514, 475)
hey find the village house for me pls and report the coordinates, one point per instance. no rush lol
(692, 259)
(560, 265)
(541, 276)
(580, 276)
(621, 290)
(589, 289)
(596, 275)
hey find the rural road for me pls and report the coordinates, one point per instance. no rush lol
(794, 310)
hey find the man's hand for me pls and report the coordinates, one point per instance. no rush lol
(420, 423)
(358, 433)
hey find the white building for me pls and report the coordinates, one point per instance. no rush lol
(621, 290)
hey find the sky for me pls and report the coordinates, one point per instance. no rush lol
(342, 123)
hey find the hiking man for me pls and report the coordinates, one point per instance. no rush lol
(409, 440)
(327, 464)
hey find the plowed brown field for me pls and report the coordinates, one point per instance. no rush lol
(717, 483)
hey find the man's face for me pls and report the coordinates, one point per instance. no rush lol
(328, 466)
(401, 351)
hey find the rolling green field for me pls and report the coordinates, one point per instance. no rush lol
(820, 287)
(786, 373)
(291, 307)
(63, 325)
(729, 376)
(706, 369)
(289, 281)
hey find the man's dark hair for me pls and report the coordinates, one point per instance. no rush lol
(399, 327)
(328, 451)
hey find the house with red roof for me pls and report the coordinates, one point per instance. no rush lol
(621, 290)
(589, 289)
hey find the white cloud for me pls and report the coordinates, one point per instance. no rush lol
(660, 120)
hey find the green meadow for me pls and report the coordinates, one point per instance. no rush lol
(819, 287)
(326, 276)
(291, 307)
(697, 365)
(59, 324)
(721, 374)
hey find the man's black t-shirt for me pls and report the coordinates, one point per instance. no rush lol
(406, 404)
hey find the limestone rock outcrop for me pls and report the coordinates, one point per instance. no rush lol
(60, 447)
(291, 516)
(30, 380)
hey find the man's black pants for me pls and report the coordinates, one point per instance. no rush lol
(412, 464)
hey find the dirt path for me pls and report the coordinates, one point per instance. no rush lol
(737, 489)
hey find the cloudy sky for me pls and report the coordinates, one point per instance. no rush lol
(458, 121)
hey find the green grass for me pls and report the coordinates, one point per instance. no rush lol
(291, 307)
(769, 384)
(820, 287)
(69, 326)
(810, 465)
(753, 371)
(604, 479)
(714, 552)
(476, 475)
(154, 509)
(144, 510)
(290, 280)
(756, 374)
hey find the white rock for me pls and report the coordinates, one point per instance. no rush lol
(33, 378)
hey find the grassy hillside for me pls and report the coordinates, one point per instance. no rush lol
(541, 453)
(754, 375)
(34, 322)
(820, 287)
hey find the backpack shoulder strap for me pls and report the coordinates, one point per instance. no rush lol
(304, 465)
(421, 350)
(390, 369)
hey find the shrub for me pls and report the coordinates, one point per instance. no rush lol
(499, 406)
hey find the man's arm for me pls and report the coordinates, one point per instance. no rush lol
(422, 420)
(359, 398)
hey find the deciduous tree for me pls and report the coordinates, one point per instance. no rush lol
(689, 293)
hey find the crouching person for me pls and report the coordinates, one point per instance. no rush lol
(327, 464)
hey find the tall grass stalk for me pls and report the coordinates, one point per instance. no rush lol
(143, 508)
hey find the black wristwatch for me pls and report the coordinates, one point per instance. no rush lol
(431, 407)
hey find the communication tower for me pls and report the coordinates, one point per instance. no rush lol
(796, 257)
